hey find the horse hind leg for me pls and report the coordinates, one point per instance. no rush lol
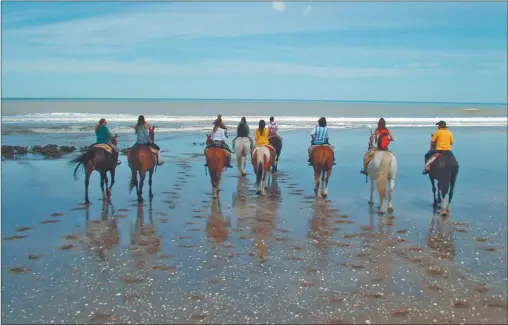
(142, 175)
(87, 183)
(104, 182)
(150, 174)
(317, 174)
(450, 194)
(391, 186)
(371, 199)
(432, 182)
(325, 179)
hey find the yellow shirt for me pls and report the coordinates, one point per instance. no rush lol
(261, 139)
(443, 139)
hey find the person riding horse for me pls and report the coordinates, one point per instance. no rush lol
(242, 131)
(104, 136)
(441, 143)
(382, 136)
(273, 128)
(218, 139)
(261, 135)
(319, 137)
(143, 131)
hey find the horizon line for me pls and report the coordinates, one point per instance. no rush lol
(248, 99)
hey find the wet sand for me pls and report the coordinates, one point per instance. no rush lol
(283, 258)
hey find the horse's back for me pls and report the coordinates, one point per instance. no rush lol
(242, 146)
(261, 155)
(140, 155)
(377, 162)
(322, 154)
(276, 142)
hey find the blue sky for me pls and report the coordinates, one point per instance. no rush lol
(426, 51)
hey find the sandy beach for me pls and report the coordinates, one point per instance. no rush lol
(283, 258)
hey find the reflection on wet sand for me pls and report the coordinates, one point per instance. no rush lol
(320, 233)
(102, 235)
(217, 227)
(440, 237)
(144, 239)
(264, 221)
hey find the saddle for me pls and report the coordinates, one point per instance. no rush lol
(219, 146)
(320, 145)
(104, 146)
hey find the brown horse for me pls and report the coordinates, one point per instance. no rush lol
(97, 158)
(141, 160)
(322, 162)
(216, 160)
(276, 142)
(262, 160)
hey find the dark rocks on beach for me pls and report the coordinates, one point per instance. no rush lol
(50, 151)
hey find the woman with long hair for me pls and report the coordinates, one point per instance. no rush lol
(382, 137)
(104, 136)
(261, 134)
(143, 130)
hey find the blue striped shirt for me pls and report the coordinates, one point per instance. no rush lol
(320, 135)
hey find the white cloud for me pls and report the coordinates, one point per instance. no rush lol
(204, 68)
(307, 10)
(279, 6)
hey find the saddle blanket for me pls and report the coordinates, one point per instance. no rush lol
(214, 147)
(269, 147)
(103, 146)
(320, 145)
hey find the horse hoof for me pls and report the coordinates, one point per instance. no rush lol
(390, 209)
(371, 203)
(380, 212)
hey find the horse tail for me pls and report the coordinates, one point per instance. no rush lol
(82, 161)
(444, 174)
(134, 179)
(259, 168)
(383, 174)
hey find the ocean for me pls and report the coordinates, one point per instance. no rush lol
(284, 258)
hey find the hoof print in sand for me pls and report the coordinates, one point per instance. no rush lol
(15, 237)
(67, 247)
(44, 222)
(21, 229)
(56, 214)
(34, 256)
(19, 270)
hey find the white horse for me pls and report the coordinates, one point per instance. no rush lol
(261, 161)
(242, 147)
(382, 168)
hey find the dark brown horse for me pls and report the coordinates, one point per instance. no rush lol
(97, 158)
(322, 162)
(276, 142)
(216, 159)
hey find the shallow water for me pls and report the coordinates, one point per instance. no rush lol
(283, 258)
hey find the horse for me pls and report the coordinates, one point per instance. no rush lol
(276, 142)
(262, 160)
(98, 158)
(322, 161)
(445, 170)
(382, 168)
(216, 158)
(243, 148)
(141, 160)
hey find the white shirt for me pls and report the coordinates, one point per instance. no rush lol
(219, 135)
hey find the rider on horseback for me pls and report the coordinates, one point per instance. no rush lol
(218, 138)
(261, 135)
(273, 128)
(441, 143)
(104, 136)
(319, 137)
(242, 131)
(143, 130)
(383, 137)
